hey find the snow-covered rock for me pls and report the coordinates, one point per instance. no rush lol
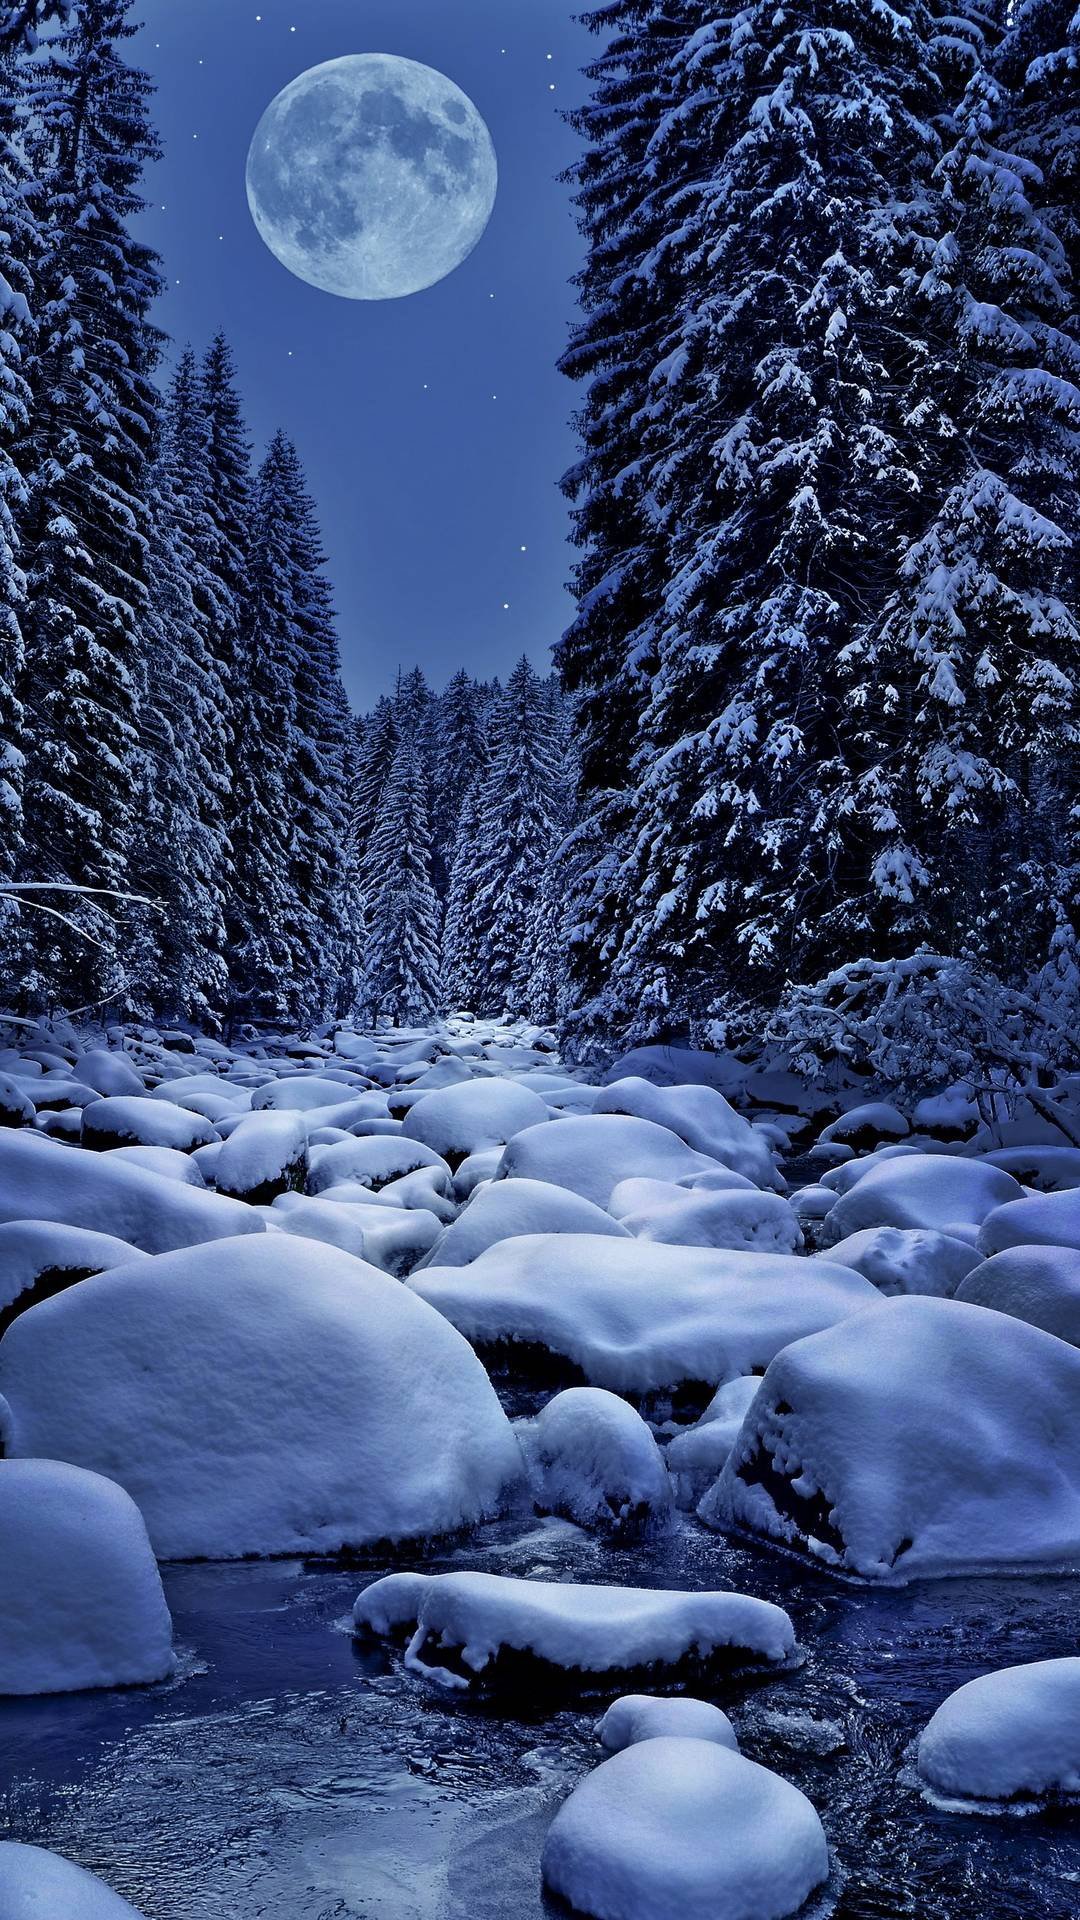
(698, 1217)
(37, 1885)
(649, 1716)
(923, 1190)
(1041, 1220)
(169, 1162)
(45, 1180)
(593, 1460)
(509, 1208)
(462, 1627)
(636, 1317)
(927, 1438)
(127, 1121)
(108, 1073)
(81, 1603)
(683, 1829)
(863, 1127)
(373, 1163)
(304, 1093)
(696, 1458)
(1010, 1735)
(265, 1156)
(1049, 1169)
(467, 1118)
(590, 1153)
(700, 1116)
(38, 1258)
(908, 1259)
(1038, 1284)
(392, 1238)
(259, 1397)
(16, 1107)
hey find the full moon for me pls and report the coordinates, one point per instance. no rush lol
(372, 177)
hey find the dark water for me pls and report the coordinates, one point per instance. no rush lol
(288, 1777)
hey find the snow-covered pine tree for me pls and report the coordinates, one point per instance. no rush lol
(229, 502)
(460, 755)
(401, 979)
(84, 528)
(461, 943)
(19, 23)
(381, 737)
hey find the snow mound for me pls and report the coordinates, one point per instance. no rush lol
(165, 1161)
(264, 1157)
(1038, 1284)
(38, 1259)
(1009, 1735)
(701, 1117)
(1050, 1169)
(465, 1119)
(144, 1123)
(592, 1459)
(81, 1603)
(36, 1885)
(676, 1829)
(908, 1259)
(301, 1093)
(696, 1458)
(590, 1153)
(45, 1180)
(108, 1073)
(1042, 1220)
(462, 1626)
(372, 1163)
(924, 1439)
(393, 1238)
(16, 1107)
(636, 1317)
(699, 1217)
(932, 1190)
(866, 1126)
(259, 1397)
(510, 1208)
(645, 1716)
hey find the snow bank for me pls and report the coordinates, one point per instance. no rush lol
(701, 1117)
(511, 1208)
(927, 1438)
(701, 1218)
(81, 1603)
(1038, 1284)
(636, 1317)
(38, 1257)
(35, 1885)
(676, 1829)
(372, 1163)
(465, 1119)
(259, 1397)
(932, 1190)
(908, 1260)
(144, 1123)
(590, 1153)
(45, 1180)
(466, 1625)
(264, 1157)
(1009, 1735)
(647, 1716)
(593, 1460)
(1042, 1220)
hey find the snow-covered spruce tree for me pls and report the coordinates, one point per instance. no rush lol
(460, 756)
(627, 211)
(229, 490)
(84, 528)
(19, 24)
(184, 856)
(401, 980)
(461, 934)
(375, 758)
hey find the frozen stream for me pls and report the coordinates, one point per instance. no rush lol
(287, 1776)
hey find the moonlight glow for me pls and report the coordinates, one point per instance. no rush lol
(372, 177)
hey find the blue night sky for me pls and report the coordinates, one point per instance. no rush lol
(434, 429)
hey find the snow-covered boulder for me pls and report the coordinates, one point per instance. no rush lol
(36, 1885)
(38, 1259)
(698, 1217)
(108, 1073)
(265, 1156)
(258, 1397)
(927, 1438)
(127, 1121)
(864, 1127)
(665, 1066)
(932, 1190)
(636, 1317)
(649, 1716)
(701, 1117)
(81, 1603)
(169, 1162)
(373, 1163)
(1041, 1220)
(593, 1460)
(16, 1107)
(1008, 1736)
(697, 1457)
(303, 1093)
(394, 1239)
(45, 1180)
(509, 1208)
(908, 1259)
(464, 1119)
(1048, 1169)
(1038, 1284)
(465, 1627)
(591, 1153)
(678, 1829)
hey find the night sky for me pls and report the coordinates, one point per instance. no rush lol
(434, 428)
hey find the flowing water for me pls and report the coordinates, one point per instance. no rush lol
(288, 1775)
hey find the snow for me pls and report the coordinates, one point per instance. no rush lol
(391, 1238)
(476, 1114)
(372, 1163)
(646, 1716)
(696, 1457)
(44, 1180)
(262, 1396)
(591, 1153)
(907, 1260)
(36, 1885)
(700, 1116)
(265, 1156)
(592, 1459)
(169, 1162)
(144, 1123)
(865, 1125)
(108, 1073)
(1038, 1284)
(685, 1829)
(931, 1190)
(927, 1438)
(1010, 1735)
(1043, 1219)
(636, 1317)
(304, 1093)
(474, 1619)
(16, 1107)
(511, 1208)
(1050, 1169)
(32, 1251)
(701, 1217)
(81, 1603)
